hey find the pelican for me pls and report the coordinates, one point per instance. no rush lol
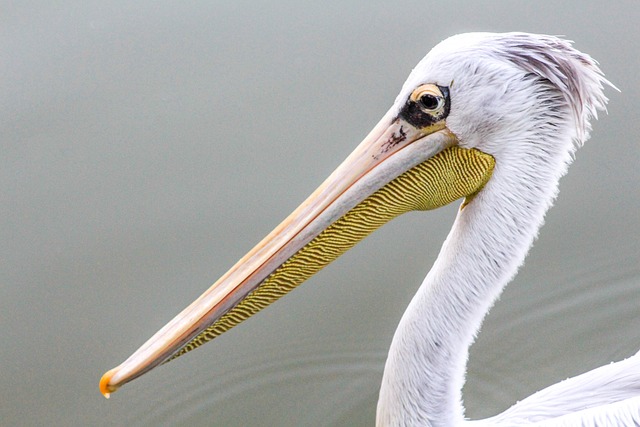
(493, 119)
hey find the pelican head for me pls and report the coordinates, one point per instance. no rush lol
(491, 118)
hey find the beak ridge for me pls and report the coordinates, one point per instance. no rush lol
(314, 234)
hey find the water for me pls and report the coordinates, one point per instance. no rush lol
(146, 147)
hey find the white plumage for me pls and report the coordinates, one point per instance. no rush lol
(609, 395)
(527, 100)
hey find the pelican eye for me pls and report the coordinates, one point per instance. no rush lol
(431, 102)
(427, 104)
(429, 98)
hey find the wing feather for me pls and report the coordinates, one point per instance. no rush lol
(608, 395)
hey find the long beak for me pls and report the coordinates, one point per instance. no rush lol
(320, 230)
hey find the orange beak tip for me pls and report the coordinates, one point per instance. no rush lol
(105, 388)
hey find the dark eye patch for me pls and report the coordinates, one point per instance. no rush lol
(417, 112)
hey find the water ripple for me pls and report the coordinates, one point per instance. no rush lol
(328, 383)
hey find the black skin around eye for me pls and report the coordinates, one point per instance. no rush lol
(415, 114)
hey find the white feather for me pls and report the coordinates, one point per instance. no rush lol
(597, 395)
(527, 100)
